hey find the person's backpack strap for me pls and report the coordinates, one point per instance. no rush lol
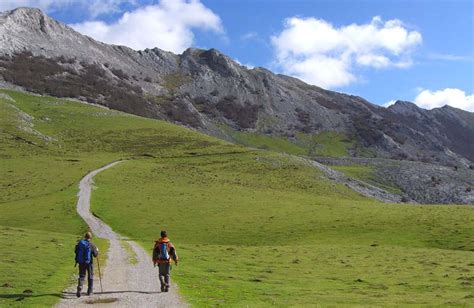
(86, 251)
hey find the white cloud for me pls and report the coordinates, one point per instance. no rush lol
(453, 97)
(314, 50)
(93, 8)
(247, 65)
(250, 36)
(446, 57)
(321, 70)
(166, 25)
(102, 7)
(389, 103)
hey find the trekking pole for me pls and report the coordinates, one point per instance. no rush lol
(100, 276)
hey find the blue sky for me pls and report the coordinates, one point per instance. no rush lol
(421, 51)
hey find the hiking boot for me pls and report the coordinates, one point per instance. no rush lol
(78, 292)
(90, 293)
(163, 288)
(167, 288)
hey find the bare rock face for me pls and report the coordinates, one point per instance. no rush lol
(28, 29)
(417, 181)
(207, 90)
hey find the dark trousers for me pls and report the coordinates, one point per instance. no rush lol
(83, 268)
(164, 271)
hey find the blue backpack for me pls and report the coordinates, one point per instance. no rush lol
(83, 252)
(164, 251)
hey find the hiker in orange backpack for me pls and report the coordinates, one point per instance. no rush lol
(163, 252)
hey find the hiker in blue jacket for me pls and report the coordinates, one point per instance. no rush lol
(85, 251)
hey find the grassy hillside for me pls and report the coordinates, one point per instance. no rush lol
(368, 175)
(252, 227)
(47, 146)
(261, 228)
(328, 144)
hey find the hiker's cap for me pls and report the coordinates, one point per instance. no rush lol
(88, 235)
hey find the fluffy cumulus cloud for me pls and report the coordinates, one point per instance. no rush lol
(453, 97)
(167, 25)
(319, 53)
(93, 8)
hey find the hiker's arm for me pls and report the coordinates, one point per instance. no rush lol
(153, 255)
(95, 250)
(174, 256)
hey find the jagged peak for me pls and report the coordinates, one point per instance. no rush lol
(214, 50)
(210, 53)
(31, 19)
(211, 56)
(403, 103)
(23, 14)
(26, 10)
(451, 108)
(156, 51)
(214, 53)
(404, 106)
(262, 69)
(192, 51)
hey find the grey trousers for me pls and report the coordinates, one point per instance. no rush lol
(164, 272)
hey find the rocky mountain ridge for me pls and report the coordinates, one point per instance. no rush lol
(207, 90)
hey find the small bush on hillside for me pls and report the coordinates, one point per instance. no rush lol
(202, 104)
(367, 129)
(304, 118)
(245, 115)
(176, 110)
(120, 74)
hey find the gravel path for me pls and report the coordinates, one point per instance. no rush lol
(124, 284)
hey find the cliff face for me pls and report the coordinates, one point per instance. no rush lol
(208, 90)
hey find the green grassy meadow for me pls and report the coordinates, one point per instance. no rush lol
(260, 228)
(252, 227)
(47, 146)
(327, 144)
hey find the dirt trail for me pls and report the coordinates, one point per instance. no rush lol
(125, 284)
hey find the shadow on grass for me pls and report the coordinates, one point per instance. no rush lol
(22, 296)
(65, 295)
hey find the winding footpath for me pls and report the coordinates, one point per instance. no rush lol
(124, 284)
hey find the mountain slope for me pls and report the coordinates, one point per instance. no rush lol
(240, 218)
(209, 91)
